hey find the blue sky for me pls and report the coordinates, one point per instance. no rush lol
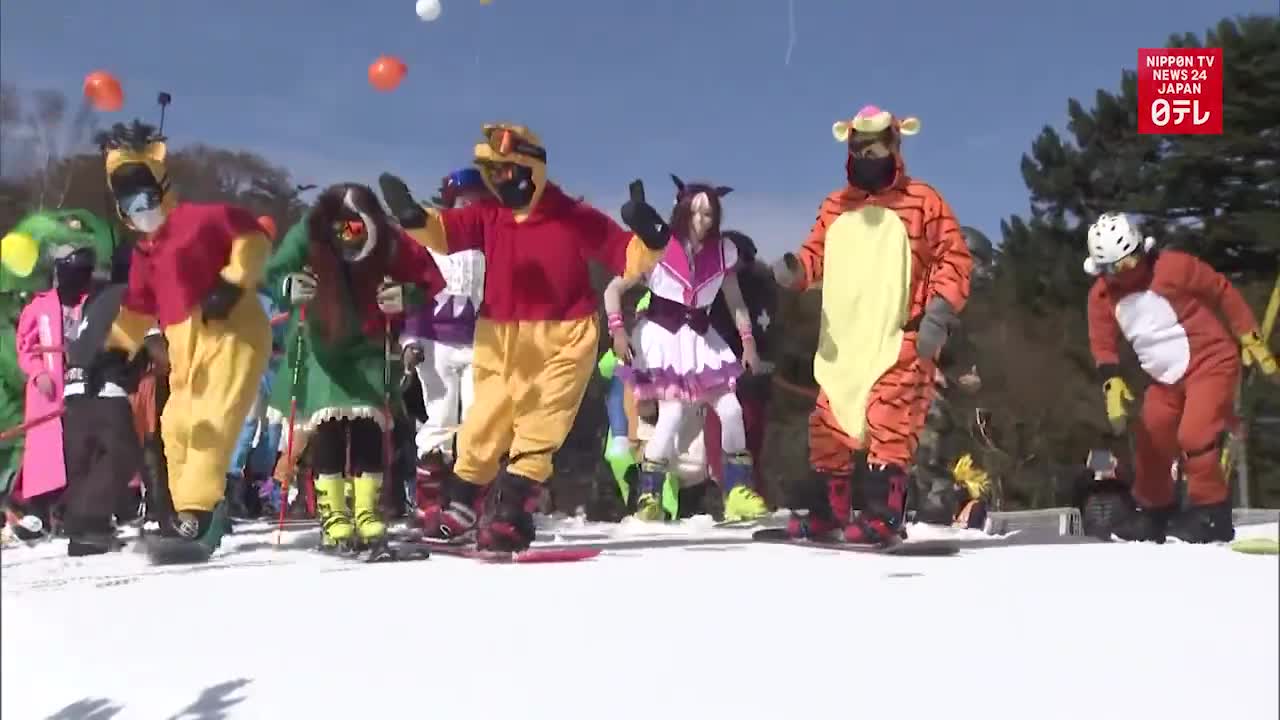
(618, 89)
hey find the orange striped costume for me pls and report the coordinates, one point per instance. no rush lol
(893, 402)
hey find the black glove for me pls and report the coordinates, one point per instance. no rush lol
(935, 327)
(218, 303)
(157, 348)
(407, 212)
(644, 221)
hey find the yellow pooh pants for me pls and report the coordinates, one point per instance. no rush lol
(530, 377)
(214, 370)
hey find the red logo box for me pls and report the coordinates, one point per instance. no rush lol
(1180, 91)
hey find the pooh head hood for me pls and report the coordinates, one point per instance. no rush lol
(137, 175)
(513, 164)
(874, 140)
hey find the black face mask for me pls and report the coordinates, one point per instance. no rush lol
(517, 191)
(872, 174)
(74, 274)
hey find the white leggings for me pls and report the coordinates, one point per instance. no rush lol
(662, 444)
(447, 393)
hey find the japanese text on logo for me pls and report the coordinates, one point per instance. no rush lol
(1180, 91)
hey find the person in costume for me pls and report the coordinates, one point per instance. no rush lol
(941, 496)
(103, 447)
(193, 275)
(631, 425)
(894, 270)
(760, 293)
(437, 342)
(681, 361)
(536, 335)
(28, 255)
(348, 264)
(249, 476)
(1167, 305)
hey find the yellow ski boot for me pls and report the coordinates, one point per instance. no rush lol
(369, 524)
(331, 506)
(652, 476)
(741, 502)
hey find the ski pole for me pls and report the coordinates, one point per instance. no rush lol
(387, 455)
(293, 421)
(17, 430)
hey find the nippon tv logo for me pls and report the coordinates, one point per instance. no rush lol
(1180, 91)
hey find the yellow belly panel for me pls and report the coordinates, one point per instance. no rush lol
(865, 299)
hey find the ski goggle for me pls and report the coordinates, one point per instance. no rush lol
(1128, 262)
(505, 141)
(348, 230)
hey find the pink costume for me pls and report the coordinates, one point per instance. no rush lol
(44, 328)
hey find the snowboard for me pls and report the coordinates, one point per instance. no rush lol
(920, 548)
(161, 550)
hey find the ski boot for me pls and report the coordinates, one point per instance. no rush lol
(1145, 524)
(651, 478)
(507, 525)
(1204, 524)
(820, 507)
(741, 501)
(455, 517)
(234, 497)
(97, 543)
(429, 481)
(189, 536)
(367, 489)
(336, 528)
(881, 520)
(693, 499)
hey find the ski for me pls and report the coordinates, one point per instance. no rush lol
(1257, 546)
(532, 555)
(921, 548)
(389, 551)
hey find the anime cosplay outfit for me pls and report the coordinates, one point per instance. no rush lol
(193, 275)
(681, 361)
(41, 246)
(1167, 305)
(349, 264)
(437, 340)
(894, 269)
(688, 476)
(536, 335)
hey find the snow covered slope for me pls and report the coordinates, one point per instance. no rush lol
(741, 631)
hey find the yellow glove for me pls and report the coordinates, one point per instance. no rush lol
(1255, 352)
(975, 481)
(1118, 398)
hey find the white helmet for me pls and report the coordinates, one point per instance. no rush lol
(1111, 238)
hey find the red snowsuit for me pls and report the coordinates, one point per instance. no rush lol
(1167, 308)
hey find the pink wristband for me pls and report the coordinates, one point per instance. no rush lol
(615, 321)
(745, 334)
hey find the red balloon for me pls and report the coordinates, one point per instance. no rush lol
(268, 226)
(386, 73)
(103, 91)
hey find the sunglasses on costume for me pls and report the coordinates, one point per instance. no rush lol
(505, 141)
(1128, 262)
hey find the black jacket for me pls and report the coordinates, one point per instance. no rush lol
(760, 292)
(88, 360)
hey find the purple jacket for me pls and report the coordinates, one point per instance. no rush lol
(449, 319)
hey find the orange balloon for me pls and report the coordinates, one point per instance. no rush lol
(268, 226)
(386, 73)
(103, 91)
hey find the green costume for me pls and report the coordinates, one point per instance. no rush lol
(26, 267)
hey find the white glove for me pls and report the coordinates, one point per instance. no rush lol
(391, 298)
(300, 287)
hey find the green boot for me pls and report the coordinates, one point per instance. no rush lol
(652, 477)
(741, 501)
(367, 491)
(331, 506)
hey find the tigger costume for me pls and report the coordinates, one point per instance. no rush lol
(895, 258)
(536, 334)
(198, 253)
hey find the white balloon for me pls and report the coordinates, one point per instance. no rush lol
(427, 10)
